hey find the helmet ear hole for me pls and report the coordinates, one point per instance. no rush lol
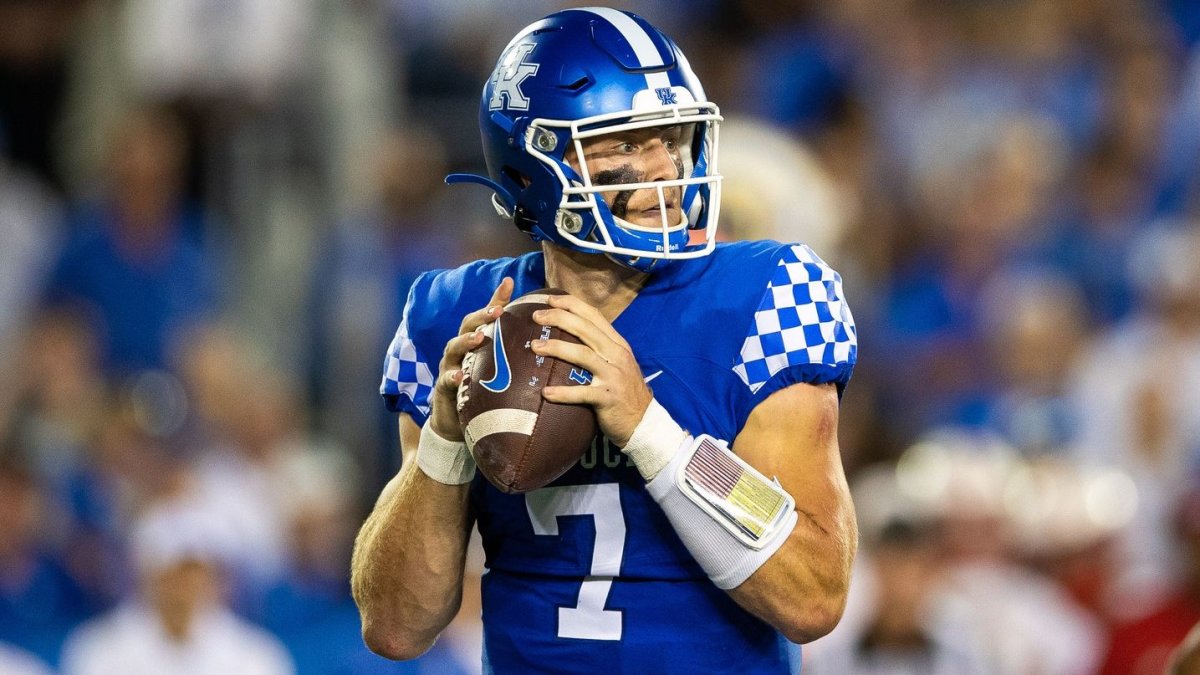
(525, 221)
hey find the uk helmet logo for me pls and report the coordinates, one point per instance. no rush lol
(506, 82)
(666, 96)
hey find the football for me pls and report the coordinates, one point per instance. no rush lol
(520, 440)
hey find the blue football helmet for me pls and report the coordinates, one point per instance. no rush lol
(582, 73)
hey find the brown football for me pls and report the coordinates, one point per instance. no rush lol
(520, 440)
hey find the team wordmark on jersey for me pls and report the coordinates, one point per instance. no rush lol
(506, 83)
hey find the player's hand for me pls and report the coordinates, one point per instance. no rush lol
(444, 402)
(617, 391)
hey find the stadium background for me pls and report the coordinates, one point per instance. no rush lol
(210, 211)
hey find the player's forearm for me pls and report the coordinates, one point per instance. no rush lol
(773, 524)
(407, 568)
(801, 590)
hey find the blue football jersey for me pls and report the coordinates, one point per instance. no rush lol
(587, 575)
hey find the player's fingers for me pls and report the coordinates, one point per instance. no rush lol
(578, 307)
(500, 297)
(479, 317)
(575, 354)
(574, 394)
(587, 332)
(457, 347)
(449, 380)
(503, 293)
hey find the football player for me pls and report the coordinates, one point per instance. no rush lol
(710, 529)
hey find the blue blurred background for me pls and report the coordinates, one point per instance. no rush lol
(210, 212)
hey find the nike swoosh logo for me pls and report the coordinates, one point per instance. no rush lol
(503, 375)
(651, 376)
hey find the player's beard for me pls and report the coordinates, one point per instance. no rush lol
(626, 174)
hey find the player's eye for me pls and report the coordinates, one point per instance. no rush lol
(671, 137)
(626, 148)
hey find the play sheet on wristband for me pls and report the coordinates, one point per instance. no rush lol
(736, 493)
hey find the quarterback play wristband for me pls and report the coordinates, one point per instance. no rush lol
(444, 461)
(730, 517)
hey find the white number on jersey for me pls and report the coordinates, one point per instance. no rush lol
(587, 620)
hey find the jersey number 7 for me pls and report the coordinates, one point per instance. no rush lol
(587, 620)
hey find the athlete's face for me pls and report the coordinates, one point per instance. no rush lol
(637, 156)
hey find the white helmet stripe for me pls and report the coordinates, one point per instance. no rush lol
(643, 47)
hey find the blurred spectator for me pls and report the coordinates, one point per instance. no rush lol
(1113, 203)
(60, 393)
(894, 623)
(29, 220)
(984, 215)
(801, 65)
(132, 262)
(1065, 518)
(39, 602)
(128, 467)
(248, 422)
(1143, 643)
(62, 402)
(212, 361)
(1134, 390)
(1024, 621)
(179, 622)
(251, 457)
(900, 636)
(310, 608)
(1033, 324)
(1125, 178)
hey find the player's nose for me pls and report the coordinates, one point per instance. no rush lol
(661, 162)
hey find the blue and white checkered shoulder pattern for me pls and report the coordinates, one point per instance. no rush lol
(801, 320)
(405, 374)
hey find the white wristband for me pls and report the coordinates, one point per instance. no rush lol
(655, 441)
(444, 461)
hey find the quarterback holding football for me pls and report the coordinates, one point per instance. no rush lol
(713, 531)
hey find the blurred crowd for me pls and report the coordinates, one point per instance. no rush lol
(210, 214)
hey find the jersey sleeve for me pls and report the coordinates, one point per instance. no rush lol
(802, 330)
(407, 371)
